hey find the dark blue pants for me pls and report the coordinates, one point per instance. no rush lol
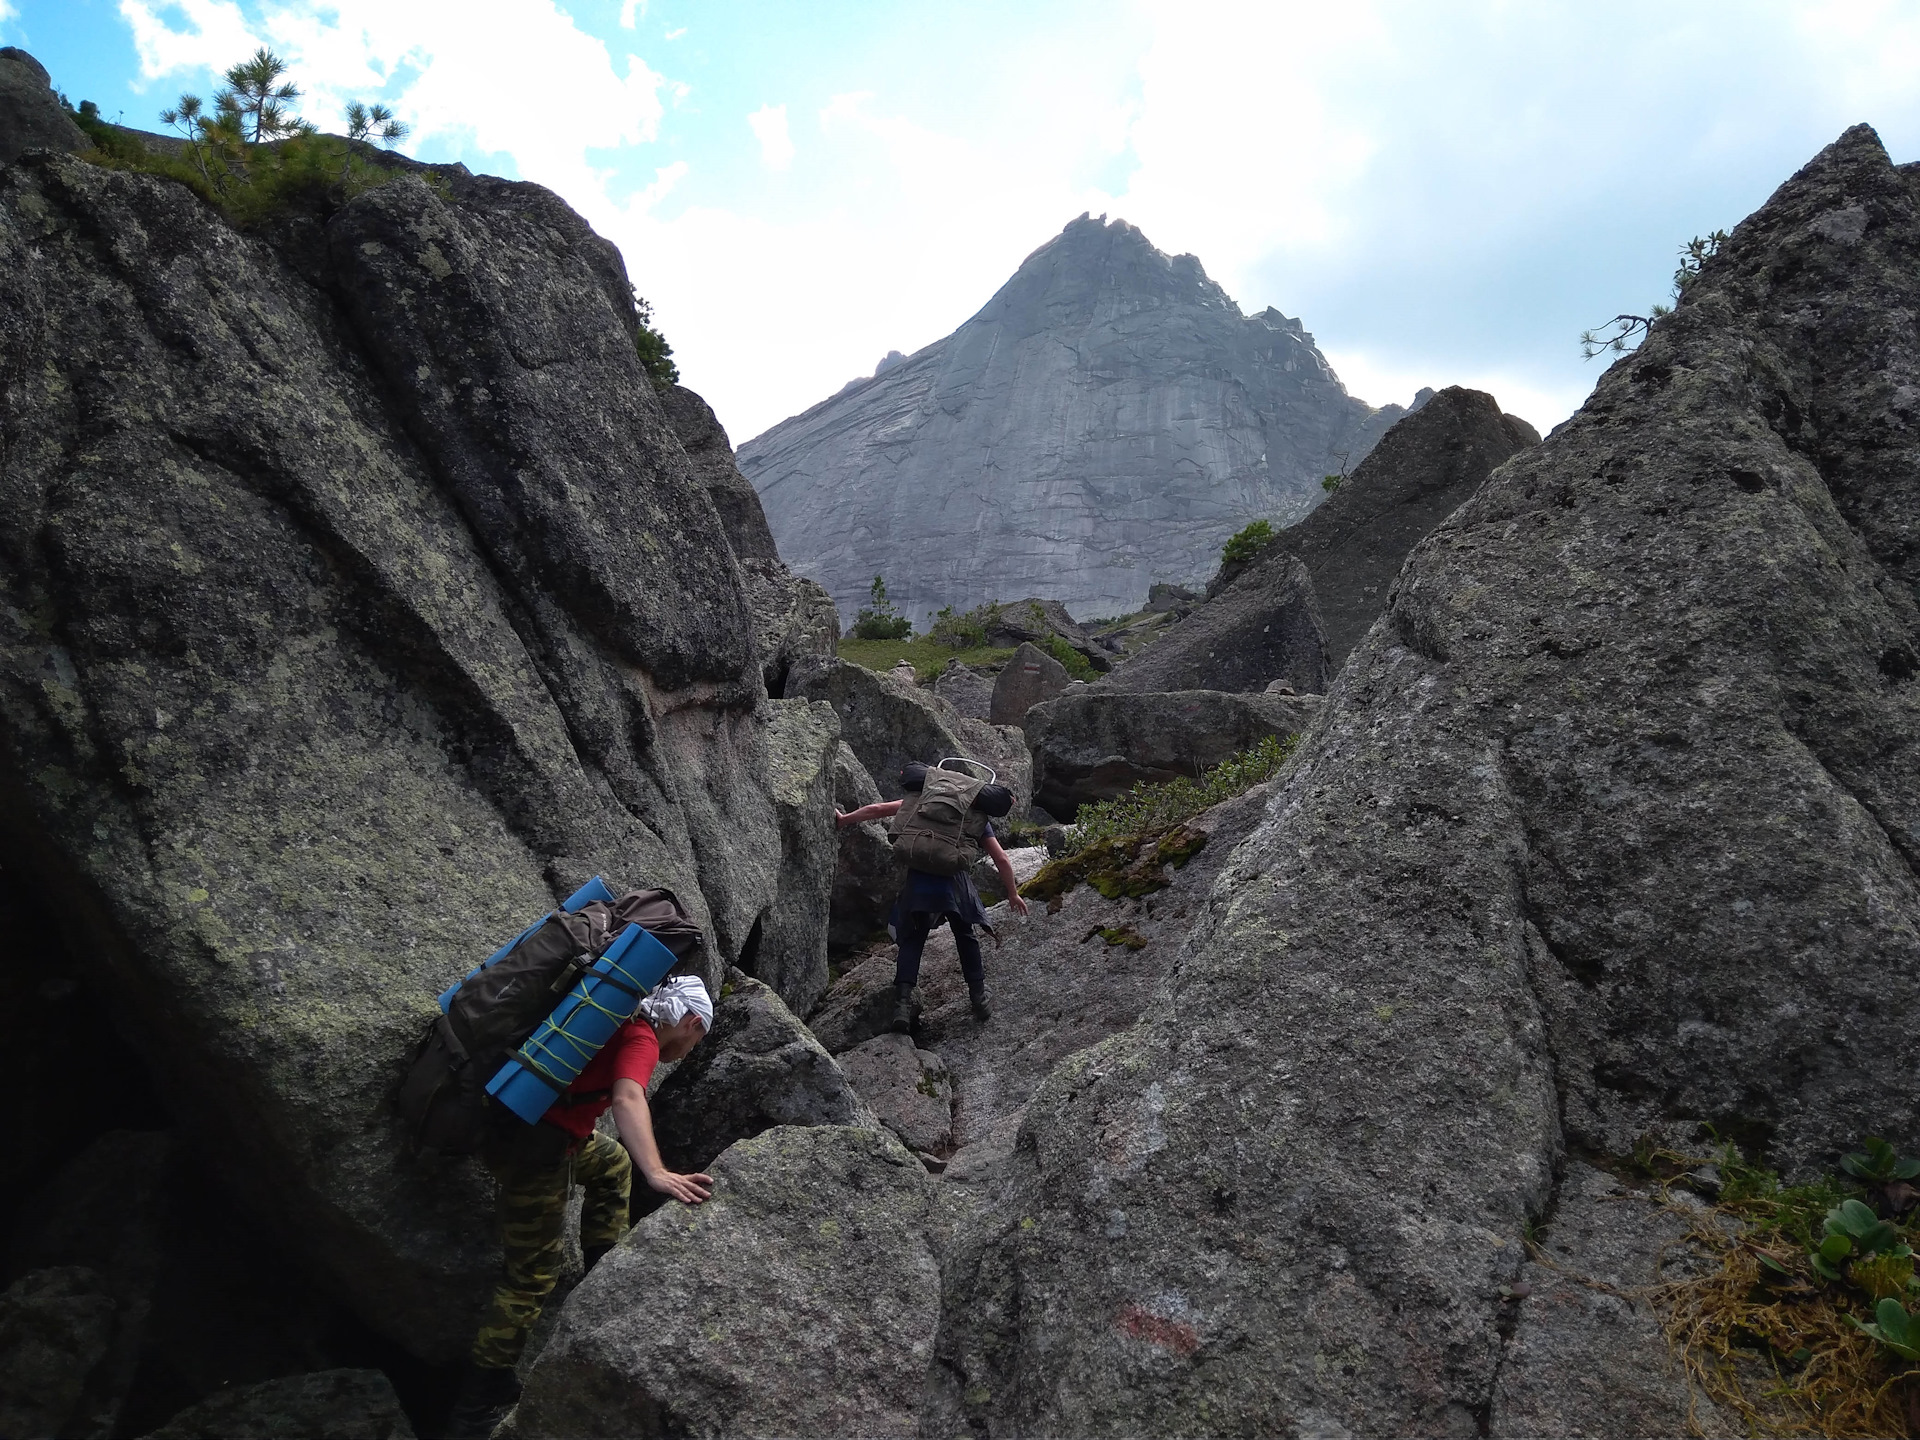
(914, 928)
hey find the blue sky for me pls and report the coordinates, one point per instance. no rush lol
(1446, 192)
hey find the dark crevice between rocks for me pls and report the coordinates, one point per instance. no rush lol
(97, 1172)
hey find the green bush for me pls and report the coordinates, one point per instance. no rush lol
(879, 620)
(962, 632)
(251, 158)
(1077, 665)
(1246, 543)
(656, 355)
(1147, 808)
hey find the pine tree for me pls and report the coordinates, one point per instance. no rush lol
(374, 122)
(257, 103)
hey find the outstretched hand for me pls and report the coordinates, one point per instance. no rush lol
(1018, 902)
(687, 1189)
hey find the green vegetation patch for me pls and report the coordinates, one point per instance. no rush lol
(1150, 808)
(1246, 542)
(1808, 1321)
(1125, 867)
(1122, 935)
(928, 657)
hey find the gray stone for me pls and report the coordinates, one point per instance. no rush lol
(800, 1300)
(791, 616)
(1030, 676)
(1264, 627)
(760, 1067)
(56, 1326)
(31, 117)
(787, 947)
(909, 1089)
(1097, 744)
(1608, 822)
(322, 1405)
(1423, 469)
(1105, 421)
(968, 690)
(1586, 1355)
(370, 606)
(865, 877)
(889, 722)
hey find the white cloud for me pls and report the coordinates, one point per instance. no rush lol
(769, 124)
(675, 33)
(449, 74)
(215, 35)
(631, 12)
(7, 12)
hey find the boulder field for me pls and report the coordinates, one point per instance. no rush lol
(360, 596)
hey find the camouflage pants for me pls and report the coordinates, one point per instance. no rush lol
(533, 1218)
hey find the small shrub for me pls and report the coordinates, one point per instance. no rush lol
(1148, 808)
(656, 356)
(962, 632)
(1246, 543)
(879, 620)
(1331, 483)
(1078, 667)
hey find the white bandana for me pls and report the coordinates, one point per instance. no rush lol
(673, 999)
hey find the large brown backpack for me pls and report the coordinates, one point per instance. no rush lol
(940, 826)
(490, 1013)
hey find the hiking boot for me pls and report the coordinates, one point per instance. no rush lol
(978, 995)
(902, 1022)
(486, 1395)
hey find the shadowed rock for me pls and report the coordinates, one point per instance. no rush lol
(1096, 744)
(1609, 822)
(1423, 469)
(1264, 627)
(357, 600)
(760, 1067)
(31, 116)
(324, 1405)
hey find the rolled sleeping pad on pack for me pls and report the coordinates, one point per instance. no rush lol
(594, 889)
(601, 1002)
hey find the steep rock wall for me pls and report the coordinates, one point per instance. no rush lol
(1612, 820)
(356, 601)
(1105, 421)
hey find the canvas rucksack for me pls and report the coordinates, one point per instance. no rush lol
(444, 1096)
(939, 828)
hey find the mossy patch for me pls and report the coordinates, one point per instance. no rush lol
(1125, 867)
(928, 657)
(1121, 935)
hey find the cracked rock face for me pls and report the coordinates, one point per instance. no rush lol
(1612, 820)
(1107, 420)
(357, 601)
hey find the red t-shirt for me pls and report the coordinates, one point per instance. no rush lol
(630, 1055)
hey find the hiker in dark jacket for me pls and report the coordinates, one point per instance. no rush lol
(538, 1165)
(926, 900)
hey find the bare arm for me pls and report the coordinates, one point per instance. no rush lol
(879, 810)
(634, 1121)
(1005, 867)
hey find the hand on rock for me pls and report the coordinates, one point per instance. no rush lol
(1018, 902)
(687, 1189)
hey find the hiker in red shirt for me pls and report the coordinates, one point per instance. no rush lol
(538, 1165)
